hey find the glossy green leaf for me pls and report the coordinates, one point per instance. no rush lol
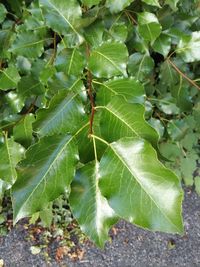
(89, 207)
(148, 26)
(129, 88)
(141, 190)
(44, 175)
(23, 65)
(62, 17)
(188, 47)
(152, 2)
(28, 44)
(15, 101)
(3, 13)
(140, 66)
(9, 78)
(11, 154)
(162, 44)
(64, 114)
(118, 32)
(117, 5)
(109, 60)
(94, 34)
(70, 61)
(125, 119)
(168, 105)
(22, 132)
(157, 125)
(29, 86)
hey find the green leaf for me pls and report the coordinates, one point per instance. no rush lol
(182, 95)
(46, 216)
(117, 5)
(9, 78)
(94, 34)
(168, 75)
(70, 61)
(140, 66)
(16, 6)
(152, 2)
(168, 105)
(190, 140)
(64, 114)
(172, 4)
(90, 3)
(28, 44)
(5, 42)
(188, 166)
(148, 26)
(170, 150)
(197, 184)
(44, 175)
(89, 207)
(11, 154)
(28, 86)
(22, 132)
(141, 190)
(62, 17)
(125, 120)
(3, 12)
(23, 65)
(177, 129)
(15, 101)
(109, 60)
(162, 44)
(129, 88)
(157, 125)
(188, 47)
(119, 32)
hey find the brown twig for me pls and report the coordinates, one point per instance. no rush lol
(54, 49)
(130, 17)
(90, 93)
(182, 74)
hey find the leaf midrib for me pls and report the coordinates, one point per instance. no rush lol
(138, 181)
(109, 60)
(121, 119)
(43, 176)
(68, 22)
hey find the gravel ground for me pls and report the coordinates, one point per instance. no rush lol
(130, 246)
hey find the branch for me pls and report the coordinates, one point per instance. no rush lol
(90, 93)
(182, 74)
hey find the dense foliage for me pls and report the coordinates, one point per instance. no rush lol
(92, 93)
